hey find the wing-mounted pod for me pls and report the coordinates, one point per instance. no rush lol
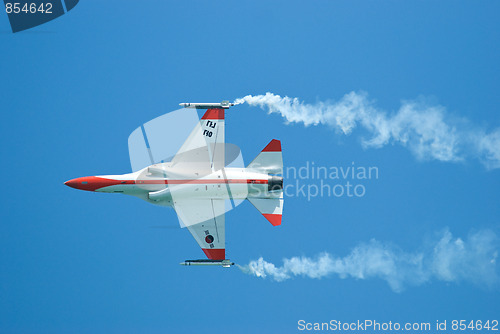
(224, 263)
(223, 104)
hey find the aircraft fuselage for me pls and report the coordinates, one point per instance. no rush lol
(149, 184)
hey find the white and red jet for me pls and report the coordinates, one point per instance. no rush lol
(200, 187)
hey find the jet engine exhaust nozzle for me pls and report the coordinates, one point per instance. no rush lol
(275, 183)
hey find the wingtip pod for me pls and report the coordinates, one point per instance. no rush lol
(226, 263)
(223, 104)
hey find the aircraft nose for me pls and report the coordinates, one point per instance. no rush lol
(92, 183)
(89, 183)
(72, 183)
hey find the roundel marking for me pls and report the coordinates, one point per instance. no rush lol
(209, 239)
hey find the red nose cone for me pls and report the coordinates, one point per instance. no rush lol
(72, 183)
(91, 183)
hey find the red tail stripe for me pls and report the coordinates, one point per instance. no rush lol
(274, 219)
(273, 146)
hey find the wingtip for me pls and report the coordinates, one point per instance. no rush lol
(215, 113)
(215, 253)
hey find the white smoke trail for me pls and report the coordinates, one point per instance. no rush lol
(449, 259)
(425, 130)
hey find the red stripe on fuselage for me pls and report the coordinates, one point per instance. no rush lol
(93, 183)
(201, 181)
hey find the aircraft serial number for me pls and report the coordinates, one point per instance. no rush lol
(32, 8)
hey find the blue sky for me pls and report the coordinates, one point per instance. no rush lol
(73, 89)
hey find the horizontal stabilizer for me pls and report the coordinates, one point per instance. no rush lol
(270, 160)
(271, 208)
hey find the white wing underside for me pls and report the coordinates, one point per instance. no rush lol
(206, 152)
(201, 154)
(214, 224)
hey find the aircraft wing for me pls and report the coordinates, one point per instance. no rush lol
(205, 219)
(207, 140)
(158, 140)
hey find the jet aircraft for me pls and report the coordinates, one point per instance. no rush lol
(197, 183)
